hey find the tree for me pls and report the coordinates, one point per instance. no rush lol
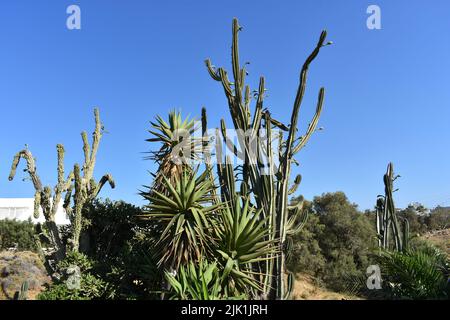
(347, 240)
(439, 218)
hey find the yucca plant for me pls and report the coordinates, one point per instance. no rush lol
(178, 147)
(183, 215)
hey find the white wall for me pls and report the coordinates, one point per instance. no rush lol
(22, 208)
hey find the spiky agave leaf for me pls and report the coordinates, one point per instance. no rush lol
(201, 281)
(242, 242)
(184, 216)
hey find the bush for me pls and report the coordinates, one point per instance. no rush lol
(120, 248)
(336, 243)
(90, 286)
(421, 273)
(17, 234)
(306, 255)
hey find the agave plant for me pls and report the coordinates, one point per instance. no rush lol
(184, 215)
(178, 146)
(201, 281)
(242, 242)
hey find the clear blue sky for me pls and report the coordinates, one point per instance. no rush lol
(388, 90)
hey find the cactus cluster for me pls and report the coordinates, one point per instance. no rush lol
(78, 185)
(259, 177)
(391, 233)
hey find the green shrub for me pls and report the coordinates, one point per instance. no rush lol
(306, 255)
(421, 273)
(90, 287)
(121, 249)
(18, 234)
(336, 243)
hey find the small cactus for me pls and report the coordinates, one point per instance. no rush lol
(22, 294)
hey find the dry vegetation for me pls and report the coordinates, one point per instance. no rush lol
(17, 267)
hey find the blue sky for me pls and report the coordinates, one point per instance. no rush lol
(387, 91)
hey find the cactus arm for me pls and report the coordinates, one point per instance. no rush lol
(37, 204)
(300, 94)
(212, 72)
(106, 178)
(295, 185)
(86, 149)
(31, 168)
(312, 126)
(207, 154)
(67, 199)
(90, 153)
(79, 198)
(259, 106)
(230, 145)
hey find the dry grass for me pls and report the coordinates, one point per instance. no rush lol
(440, 238)
(306, 288)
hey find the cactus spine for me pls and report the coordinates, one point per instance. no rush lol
(270, 185)
(387, 221)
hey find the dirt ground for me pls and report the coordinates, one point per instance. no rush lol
(306, 288)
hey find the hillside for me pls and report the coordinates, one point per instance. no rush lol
(440, 238)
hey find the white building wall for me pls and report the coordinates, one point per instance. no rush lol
(22, 209)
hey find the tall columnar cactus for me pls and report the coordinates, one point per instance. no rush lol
(261, 179)
(43, 198)
(84, 187)
(387, 221)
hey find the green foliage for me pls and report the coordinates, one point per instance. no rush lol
(18, 234)
(336, 243)
(306, 255)
(417, 220)
(74, 258)
(91, 288)
(108, 226)
(439, 218)
(183, 216)
(242, 241)
(202, 281)
(416, 273)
